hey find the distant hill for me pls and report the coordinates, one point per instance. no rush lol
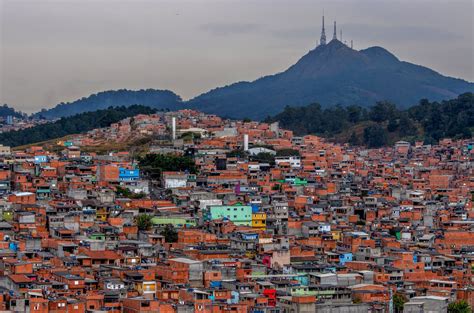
(329, 74)
(158, 99)
(76, 124)
(333, 74)
(5, 111)
(383, 124)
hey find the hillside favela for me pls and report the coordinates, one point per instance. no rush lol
(344, 183)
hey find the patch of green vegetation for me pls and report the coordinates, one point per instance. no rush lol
(383, 124)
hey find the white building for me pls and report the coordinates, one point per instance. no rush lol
(294, 161)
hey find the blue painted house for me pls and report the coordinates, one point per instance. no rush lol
(345, 257)
(41, 159)
(128, 175)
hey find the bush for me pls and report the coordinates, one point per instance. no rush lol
(460, 306)
(170, 233)
(143, 221)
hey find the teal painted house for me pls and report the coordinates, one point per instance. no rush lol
(238, 214)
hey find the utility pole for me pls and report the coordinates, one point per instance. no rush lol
(390, 304)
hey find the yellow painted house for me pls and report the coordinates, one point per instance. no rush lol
(336, 234)
(259, 220)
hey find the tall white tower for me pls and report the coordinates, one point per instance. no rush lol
(173, 127)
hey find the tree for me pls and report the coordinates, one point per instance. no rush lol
(155, 164)
(355, 113)
(407, 126)
(460, 306)
(72, 125)
(287, 152)
(383, 111)
(354, 140)
(170, 233)
(264, 157)
(125, 192)
(448, 119)
(189, 136)
(238, 153)
(143, 221)
(392, 125)
(375, 136)
(398, 302)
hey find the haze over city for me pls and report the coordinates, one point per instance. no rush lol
(236, 156)
(55, 51)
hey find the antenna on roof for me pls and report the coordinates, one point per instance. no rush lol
(352, 45)
(334, 36)
(340, 37)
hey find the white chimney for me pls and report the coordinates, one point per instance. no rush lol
(173, 127)
(246, 142)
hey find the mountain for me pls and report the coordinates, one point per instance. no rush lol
(330, 74)
(333, 74)
(157, 99)
(75, 124)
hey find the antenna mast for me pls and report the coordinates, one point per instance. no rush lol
(322, 41)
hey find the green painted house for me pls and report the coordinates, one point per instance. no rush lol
(238, 214)
(97, 236)
(175, 221)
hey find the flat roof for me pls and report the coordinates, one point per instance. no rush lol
(185, 260)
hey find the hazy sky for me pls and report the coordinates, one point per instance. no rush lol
(60, 50)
